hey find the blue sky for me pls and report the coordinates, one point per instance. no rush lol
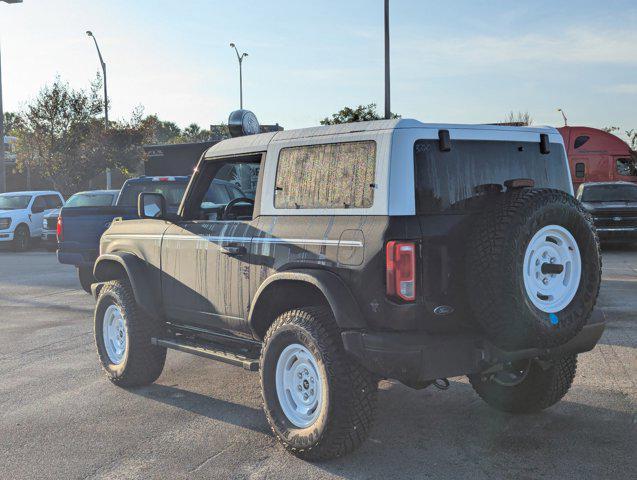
(462, 61)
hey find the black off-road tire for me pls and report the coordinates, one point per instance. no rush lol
(495, 266)
(21, 239)
(543, 386)
(86, 277)
(348, 406)
(143, 362)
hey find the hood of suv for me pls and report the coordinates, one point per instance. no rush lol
(613, 206)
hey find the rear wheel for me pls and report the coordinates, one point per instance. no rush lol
(318, 401)
(21, 238)
(123, 333)
(85, 274)
(527, 386)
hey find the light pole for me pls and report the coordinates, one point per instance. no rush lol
(240, 58)
(387, 89)
(3, 177)
(99, 54)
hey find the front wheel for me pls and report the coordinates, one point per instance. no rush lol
(527, 386)
(318, 401)
(123, 335)
(21, 239)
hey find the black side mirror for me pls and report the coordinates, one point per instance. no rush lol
(151, 205)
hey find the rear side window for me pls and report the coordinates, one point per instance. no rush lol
(334, 175)
(53, 201)
(580, 170)
(450, 180)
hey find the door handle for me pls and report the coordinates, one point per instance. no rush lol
(234, 250)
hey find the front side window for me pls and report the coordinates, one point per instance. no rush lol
(627, 167)
(53, 201)
(334, 175)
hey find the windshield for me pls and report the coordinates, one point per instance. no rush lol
(90, 200)
(172, 192)
(610, 193)
(14, 202)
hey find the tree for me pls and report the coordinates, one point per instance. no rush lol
(521, 119)
(362, 113)
(159, 131)
(63, 136)
(12, 123)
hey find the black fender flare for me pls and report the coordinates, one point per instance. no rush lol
(137, 272)
(344, 307)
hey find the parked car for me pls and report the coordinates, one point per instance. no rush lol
(93, 198)
(79, 227)
(21, 215)
(387, 249)
(613, 206)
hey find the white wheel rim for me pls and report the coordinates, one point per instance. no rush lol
(552, 247)
(115, 334)
(299, 385)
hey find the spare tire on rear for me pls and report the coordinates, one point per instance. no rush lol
(533, 268)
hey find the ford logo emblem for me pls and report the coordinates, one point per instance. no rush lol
(443, 310)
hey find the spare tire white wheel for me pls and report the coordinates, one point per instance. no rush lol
(535, 255)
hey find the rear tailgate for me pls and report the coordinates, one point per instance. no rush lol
(82, 228)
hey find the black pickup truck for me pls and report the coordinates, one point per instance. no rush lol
(613, 206)
(80, 227)
(387, 249)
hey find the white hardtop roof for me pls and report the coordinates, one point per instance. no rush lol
(260, 142)
(32, 192)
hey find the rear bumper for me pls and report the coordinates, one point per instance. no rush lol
(79, 259)
(418, 358)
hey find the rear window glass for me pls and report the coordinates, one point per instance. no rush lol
(334, 175)
(172, 192)
(448, 180)
(90, 200)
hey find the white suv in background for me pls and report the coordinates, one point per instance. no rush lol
(21, 215)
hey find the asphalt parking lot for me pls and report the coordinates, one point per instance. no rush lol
(60, 418)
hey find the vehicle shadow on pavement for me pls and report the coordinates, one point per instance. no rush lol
(453, 434)
(207, 406)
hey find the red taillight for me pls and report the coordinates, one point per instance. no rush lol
(401, 270)
(59, 230)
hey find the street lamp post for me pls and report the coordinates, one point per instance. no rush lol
(3, 177)
(240, 58)
(99, 54)
(387, 89)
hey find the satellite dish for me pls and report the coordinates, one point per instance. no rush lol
(243, 122)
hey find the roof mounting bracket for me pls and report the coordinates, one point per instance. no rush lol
(444, 141)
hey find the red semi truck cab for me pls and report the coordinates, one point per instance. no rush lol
(598, 156)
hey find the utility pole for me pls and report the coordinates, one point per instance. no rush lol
(240, 58)
(387, 86)
(3, 176)
(103, 64)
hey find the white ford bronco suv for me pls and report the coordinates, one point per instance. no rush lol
(386, 249)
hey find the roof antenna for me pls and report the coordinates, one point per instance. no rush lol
(387, 96)
(563, 116)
